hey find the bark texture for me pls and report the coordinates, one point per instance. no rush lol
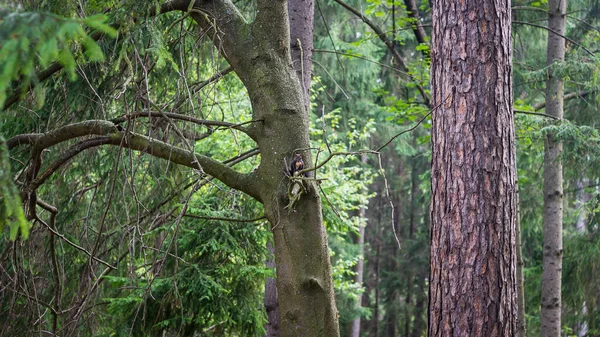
(271, 305)
(473, 286)
(259, 53)
(301, 17)
(553, 190)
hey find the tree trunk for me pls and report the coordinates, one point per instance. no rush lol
(259, 53)
(473, 285)
(301, 16)
(301, 13)
(553, 191)
(582, 198)
(271, 306)
(419, 324)
(520, 266)
(360, 264)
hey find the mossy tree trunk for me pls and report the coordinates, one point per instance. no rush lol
(259, 52)
(473, 286)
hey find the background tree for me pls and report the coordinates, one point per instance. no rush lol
(553, 191)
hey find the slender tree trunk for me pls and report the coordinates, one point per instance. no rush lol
(473, 285)
(553, 191)
(581, 226)
(360, 265)
(378, 239)
(419, 324)
(520, 278)
(301, 13)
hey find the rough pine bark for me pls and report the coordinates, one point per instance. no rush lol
(473, 286)
(553, 190)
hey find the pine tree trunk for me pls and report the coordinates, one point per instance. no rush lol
(473, 285)
(553, 191)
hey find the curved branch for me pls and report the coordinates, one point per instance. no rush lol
(45, 140)
(65, 157)
(226, 27)
(157, 114)
(244, 182)
(114, 135)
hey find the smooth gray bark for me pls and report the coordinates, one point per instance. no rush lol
(553, 190)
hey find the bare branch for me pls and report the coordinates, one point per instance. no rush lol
(195, 87)
(413, 127)
(326, 160)
(554, 32)
(567, 97)
(158, 114)
(223, 219)
(74, 245)
(534, 113)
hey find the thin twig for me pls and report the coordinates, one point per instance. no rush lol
(74, 245)
(535, 114)
(389, 197)
(223, 218)
(413, 127)
(554, 32)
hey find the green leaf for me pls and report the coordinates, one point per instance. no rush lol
(68, 61)
(92, 50)
(97, 22)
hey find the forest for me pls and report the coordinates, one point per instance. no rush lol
(335, 168)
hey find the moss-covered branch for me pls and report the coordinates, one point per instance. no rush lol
(117, 136)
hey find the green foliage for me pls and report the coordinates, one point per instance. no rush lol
(11, 211)
(31, 37)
